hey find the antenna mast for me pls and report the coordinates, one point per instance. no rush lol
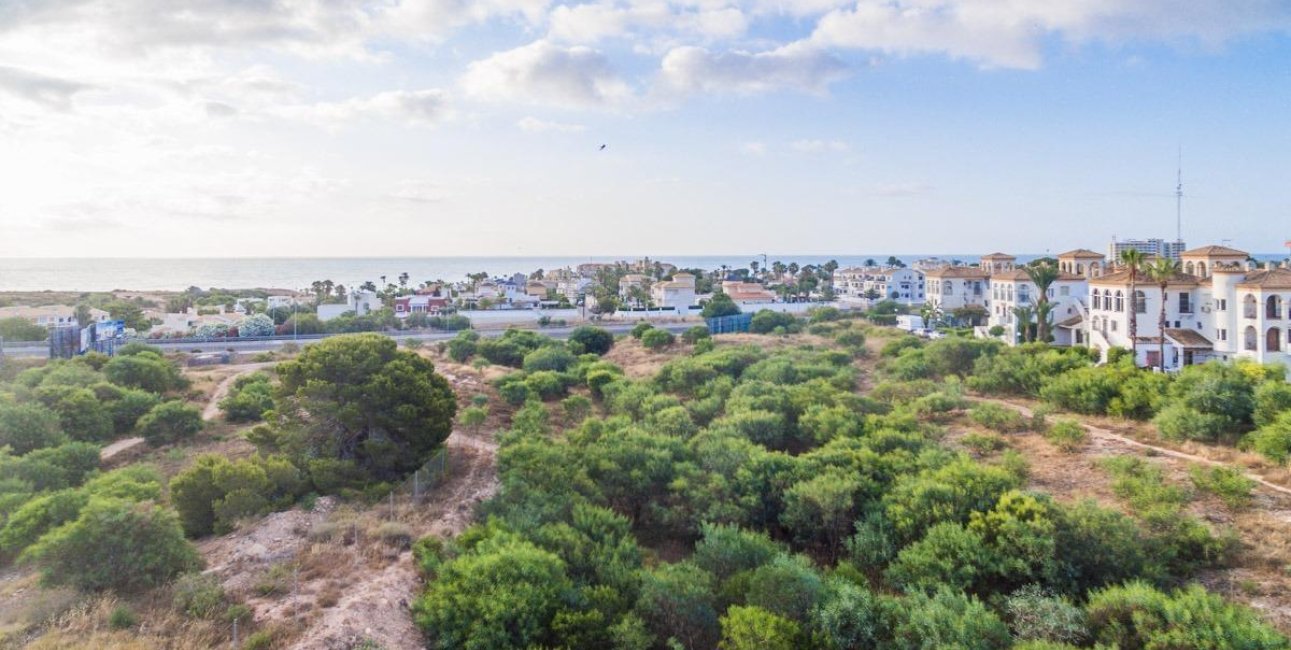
(1178, 199)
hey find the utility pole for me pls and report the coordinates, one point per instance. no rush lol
(1178, 199)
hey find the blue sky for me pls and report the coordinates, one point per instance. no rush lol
(443, 127)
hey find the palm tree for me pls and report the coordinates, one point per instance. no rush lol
(1043, 276)
(1162, 271)
(1133, 260)
(1023, 315)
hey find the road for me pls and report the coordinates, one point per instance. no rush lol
(264, 345)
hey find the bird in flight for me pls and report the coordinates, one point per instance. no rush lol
(602, 148)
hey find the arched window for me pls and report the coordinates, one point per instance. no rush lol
(1095, 299)
(1251, 339)
(1080, 268)
(1140, 302)
(1120, 301)
(1189, 268)
(1201, 269)
(1273, 307)
(947, 288)
(1273, 340)
(1250, 306)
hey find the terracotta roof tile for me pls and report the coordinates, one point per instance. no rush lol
(1221, 251)
(1276, 278)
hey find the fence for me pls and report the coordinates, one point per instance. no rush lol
(730, 324)
(418, 486)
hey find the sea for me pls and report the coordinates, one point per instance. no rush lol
(295, 273)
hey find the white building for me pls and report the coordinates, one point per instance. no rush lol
(360, 302)
(677, 293)
(1013, 289)
(903, 285)
(954, 287)
(1150, 247)
(51, 315)
(1225, 309)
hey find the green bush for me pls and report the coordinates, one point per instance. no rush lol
(122, 618)
(593, 340)
(1035, 615)
(1272, 398)
(657, 339)
(170, 422)
(555, 358)
(754, 628)
(640, 329)
(213, 493)
(1273, 440)
(1228, 483)
(151, 553)
(1067, 435)
(146, 370)
(767, 321)
(998, 418)
(984, 443)
(132, 404)
(198, 595)
(1181, 422)
(696, 334)
(547, 385)
(26, 427)
(1136, 615)
(248, 399)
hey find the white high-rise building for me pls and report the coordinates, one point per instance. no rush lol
(1151, 247)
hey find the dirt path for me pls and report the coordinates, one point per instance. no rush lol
(119, 447)
(212, 409)
(375, 605)
(1107, 435)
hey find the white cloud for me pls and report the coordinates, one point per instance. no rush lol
(545, 73)
(819, 146)
(694, 69)
(589, 22)
(422, 107)
(753, 148)
(1011, 33)
(419, 192)
(901, 190)
(535, 125)
(47, 91)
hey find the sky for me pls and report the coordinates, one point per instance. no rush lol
(217, 128)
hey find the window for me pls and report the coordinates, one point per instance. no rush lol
(1120, 302)
(1140, 302)
(1221, 334)
(1273, 308)
(1221, 304)
(1251, 339)
(1096, 300)
(1185, 303)
(1114, 325)
(1250, 306)
(1064, 291)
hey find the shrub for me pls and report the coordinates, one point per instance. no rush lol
(754, 628)
(1181, 422)
(473, 417)
(1272, 398)
(170, 422)
(249, 398)
(547, 385)
(131, 405)
(640, 329)
(948, 620)
(514, 390)
(593, 340)
(696, 334)
(767, 321)
(576, 407)
(153, 551)
(198, 595)
(1273, 440)
(998, 417)
(719, 305)
(122, 618)
(656, 339)
(25, 427)
(428, 555)
(1136, 615)
(1067, 435)
(1228, 483)
(146, 370)
(552, 357)
(984, 443)
(1035, 615)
